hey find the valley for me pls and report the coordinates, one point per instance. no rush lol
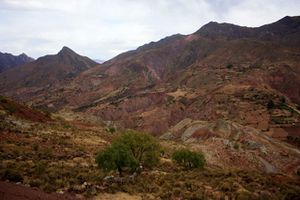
(229, 92)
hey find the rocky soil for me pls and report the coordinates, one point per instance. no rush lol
(54, 159)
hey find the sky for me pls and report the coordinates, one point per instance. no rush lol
(102, 29)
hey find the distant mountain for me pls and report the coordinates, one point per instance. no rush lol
(286, 31)
(8, 61)
(99, 61)
(45, 72)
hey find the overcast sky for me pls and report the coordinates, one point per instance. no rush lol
(104, 28)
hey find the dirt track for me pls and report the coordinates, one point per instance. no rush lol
(10, 191)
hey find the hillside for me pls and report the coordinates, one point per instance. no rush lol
(227, 91)
(221, 71)
(8, 61)
(55, 154)
(51, 71)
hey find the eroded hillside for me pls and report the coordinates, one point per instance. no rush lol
(204, 76)
(57, 154)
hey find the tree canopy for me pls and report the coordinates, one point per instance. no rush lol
(189, 159)
(129, 151)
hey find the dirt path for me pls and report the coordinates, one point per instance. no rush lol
(10, 191)
(269, 168)
(117, 196)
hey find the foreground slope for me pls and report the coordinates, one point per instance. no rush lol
(57, 155)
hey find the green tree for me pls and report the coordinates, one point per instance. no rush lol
(189, 159)
(129, 151)
(116, 157)
(143, 147)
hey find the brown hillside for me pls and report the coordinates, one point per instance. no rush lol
(221, 71)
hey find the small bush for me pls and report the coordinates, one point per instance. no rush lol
(11, 109)
(298, 172)
(282, 100)
(189, 159)
(35, 147)
(245, 195)
(67, 126)
(229, 66)
(236, 146)
(35, 183)
(12, 175)
(111, 129)
(3, 100)
(47, 113)
(270, 104)
(40, 168)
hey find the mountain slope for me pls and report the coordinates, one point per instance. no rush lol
(46, 72)
(8, 61)
(231, 75)
(285, 30)
(221, 71)
(226, 143)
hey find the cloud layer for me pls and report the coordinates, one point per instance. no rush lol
(104, 28)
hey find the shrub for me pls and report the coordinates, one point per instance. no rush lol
(47, 113)
(270, 104)
(129, 151)
(35, 183)
(282, 100)
(245, 195)
(229, 66)
(189, 159)
(11, 109)
(298, 172)
(67, 126)
(111, 129)
(236, 146)
(40, 168)
(12, 175)
(35, 147)
(3, 100)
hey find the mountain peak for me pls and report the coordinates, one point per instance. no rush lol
(287, 19)
(223, 30)
(66, 50)
(24, 55)
(293, 22)
(215, 26)
(211, 23)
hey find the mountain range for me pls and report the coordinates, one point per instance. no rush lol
(220, 71)
(50, 71)
(228, 92)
